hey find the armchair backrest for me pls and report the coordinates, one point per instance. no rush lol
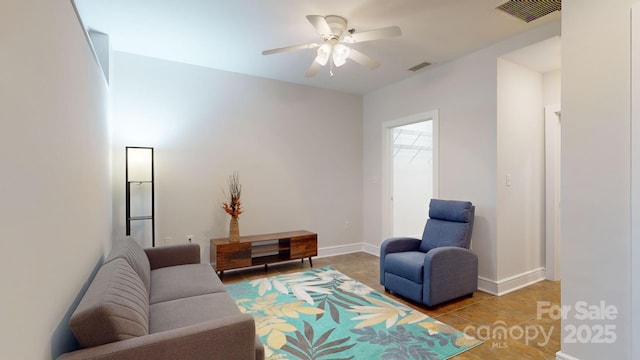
(450, 223)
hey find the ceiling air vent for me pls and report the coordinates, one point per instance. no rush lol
(419, 66)
(529, 10)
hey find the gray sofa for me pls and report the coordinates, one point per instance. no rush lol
(160, 303)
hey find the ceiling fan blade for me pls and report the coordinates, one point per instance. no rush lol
(383, 33)
(290, 48)
(320, 24)
(363, 59)
(313, 69)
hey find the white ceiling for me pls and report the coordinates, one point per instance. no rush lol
(231, 34)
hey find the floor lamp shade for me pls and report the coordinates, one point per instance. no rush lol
(139, 164)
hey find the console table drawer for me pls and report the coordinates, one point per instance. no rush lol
(232, 256)
(304, 246)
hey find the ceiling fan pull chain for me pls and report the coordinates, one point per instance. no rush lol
(331, 67)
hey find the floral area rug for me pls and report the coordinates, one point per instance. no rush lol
(324, 314)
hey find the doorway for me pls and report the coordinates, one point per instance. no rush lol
(528, 216)
(410, 173)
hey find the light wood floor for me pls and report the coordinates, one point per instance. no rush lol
(515, 312)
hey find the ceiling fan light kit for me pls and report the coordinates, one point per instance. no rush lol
(323, 54)
(334, 33)
(340, 54)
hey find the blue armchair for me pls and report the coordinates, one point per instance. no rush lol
(439, 267)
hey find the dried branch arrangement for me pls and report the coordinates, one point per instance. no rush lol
(233, 207)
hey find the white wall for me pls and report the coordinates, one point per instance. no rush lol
(551, 87)
(298, 151)
(520, 152)
(464, 91)
(596, 243)
(54, 154)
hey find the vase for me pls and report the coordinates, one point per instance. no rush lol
(234, 229)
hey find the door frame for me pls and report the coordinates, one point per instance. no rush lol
(387, 165)
(635, 179)
(552, 146)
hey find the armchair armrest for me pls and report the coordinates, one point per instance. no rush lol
(204, 340)
(399, 244)
(450, 272)
(393, 245)
(172, 255)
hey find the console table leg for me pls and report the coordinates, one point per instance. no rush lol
(265, 267)
(310, 262)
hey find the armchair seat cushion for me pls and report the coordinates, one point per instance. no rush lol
(408, 265)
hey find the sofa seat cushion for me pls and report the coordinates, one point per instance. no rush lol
(115, 307)
(408, 265)
(179, 313)
(176, 282)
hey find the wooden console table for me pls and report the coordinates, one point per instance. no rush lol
(263, 249)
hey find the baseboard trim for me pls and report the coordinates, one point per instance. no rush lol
(370, 249)
(510, 284)
(562, 356)
(340, 250)
(348, 249)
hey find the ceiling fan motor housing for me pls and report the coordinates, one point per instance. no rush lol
(337, 24)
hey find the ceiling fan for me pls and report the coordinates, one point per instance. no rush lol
(332, 49)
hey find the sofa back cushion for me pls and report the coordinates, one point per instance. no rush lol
(115, 307)
(129, 250)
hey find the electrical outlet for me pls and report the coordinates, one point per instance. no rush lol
(347, 225)
(190, 238)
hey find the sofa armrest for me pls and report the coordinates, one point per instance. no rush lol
(449, 270)
(173, 255)
(393, 245)
(228, 338)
